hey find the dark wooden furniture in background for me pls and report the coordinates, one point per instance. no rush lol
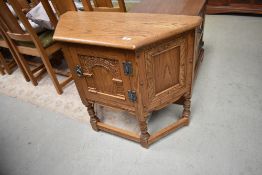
(137, 62)
(7, 65)
(179, 7)
(234, 6)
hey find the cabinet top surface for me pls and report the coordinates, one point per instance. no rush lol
(120, 30)
(178, 7)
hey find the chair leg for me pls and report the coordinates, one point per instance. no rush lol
(27, 69)
(18, 63)
(7, 69)
(5, 64)
(144, 135)
(51, 73)
(2, 70)
(93, 117)
(187, 104)
(10, 66)
(1, 64)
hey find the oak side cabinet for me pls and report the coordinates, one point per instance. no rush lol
(135, 62)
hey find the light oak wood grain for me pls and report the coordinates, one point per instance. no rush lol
(178, 7)
(162, 55)
(124, 30)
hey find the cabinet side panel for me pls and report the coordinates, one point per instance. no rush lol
(166, 69)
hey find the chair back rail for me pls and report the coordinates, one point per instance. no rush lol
(24, 4)
(14, 31)
(10, 21)
(104, 5)
(49, 12)
(62, 6)
(19, 37)
(35, 2)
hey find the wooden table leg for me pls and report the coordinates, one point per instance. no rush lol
(144, 135)
(93, 118)
(187, 105)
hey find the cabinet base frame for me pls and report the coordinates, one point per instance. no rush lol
(145, 139)
(184, 121)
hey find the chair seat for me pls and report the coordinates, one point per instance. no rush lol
(46, 38)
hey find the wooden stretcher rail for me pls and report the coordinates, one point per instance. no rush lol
(117, 131)
(136, 138)
(167, 130)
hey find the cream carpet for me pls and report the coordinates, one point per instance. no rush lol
(44, 95)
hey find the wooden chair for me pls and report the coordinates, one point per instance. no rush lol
(34, 2)
(5, 64)
(104, 6)
(62, 6)
(24, 4)
(30, 43)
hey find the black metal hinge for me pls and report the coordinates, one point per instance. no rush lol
(128, 68)
(79, 71)
(132, 95)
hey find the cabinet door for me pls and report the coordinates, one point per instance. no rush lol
(101, 74)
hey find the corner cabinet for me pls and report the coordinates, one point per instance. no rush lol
(234, 6)
(138, 62)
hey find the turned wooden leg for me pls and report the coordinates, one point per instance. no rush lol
(187, 105)
(93, 118)
(144, 136)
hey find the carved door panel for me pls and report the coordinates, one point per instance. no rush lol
(166, 71)
(102, 75)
